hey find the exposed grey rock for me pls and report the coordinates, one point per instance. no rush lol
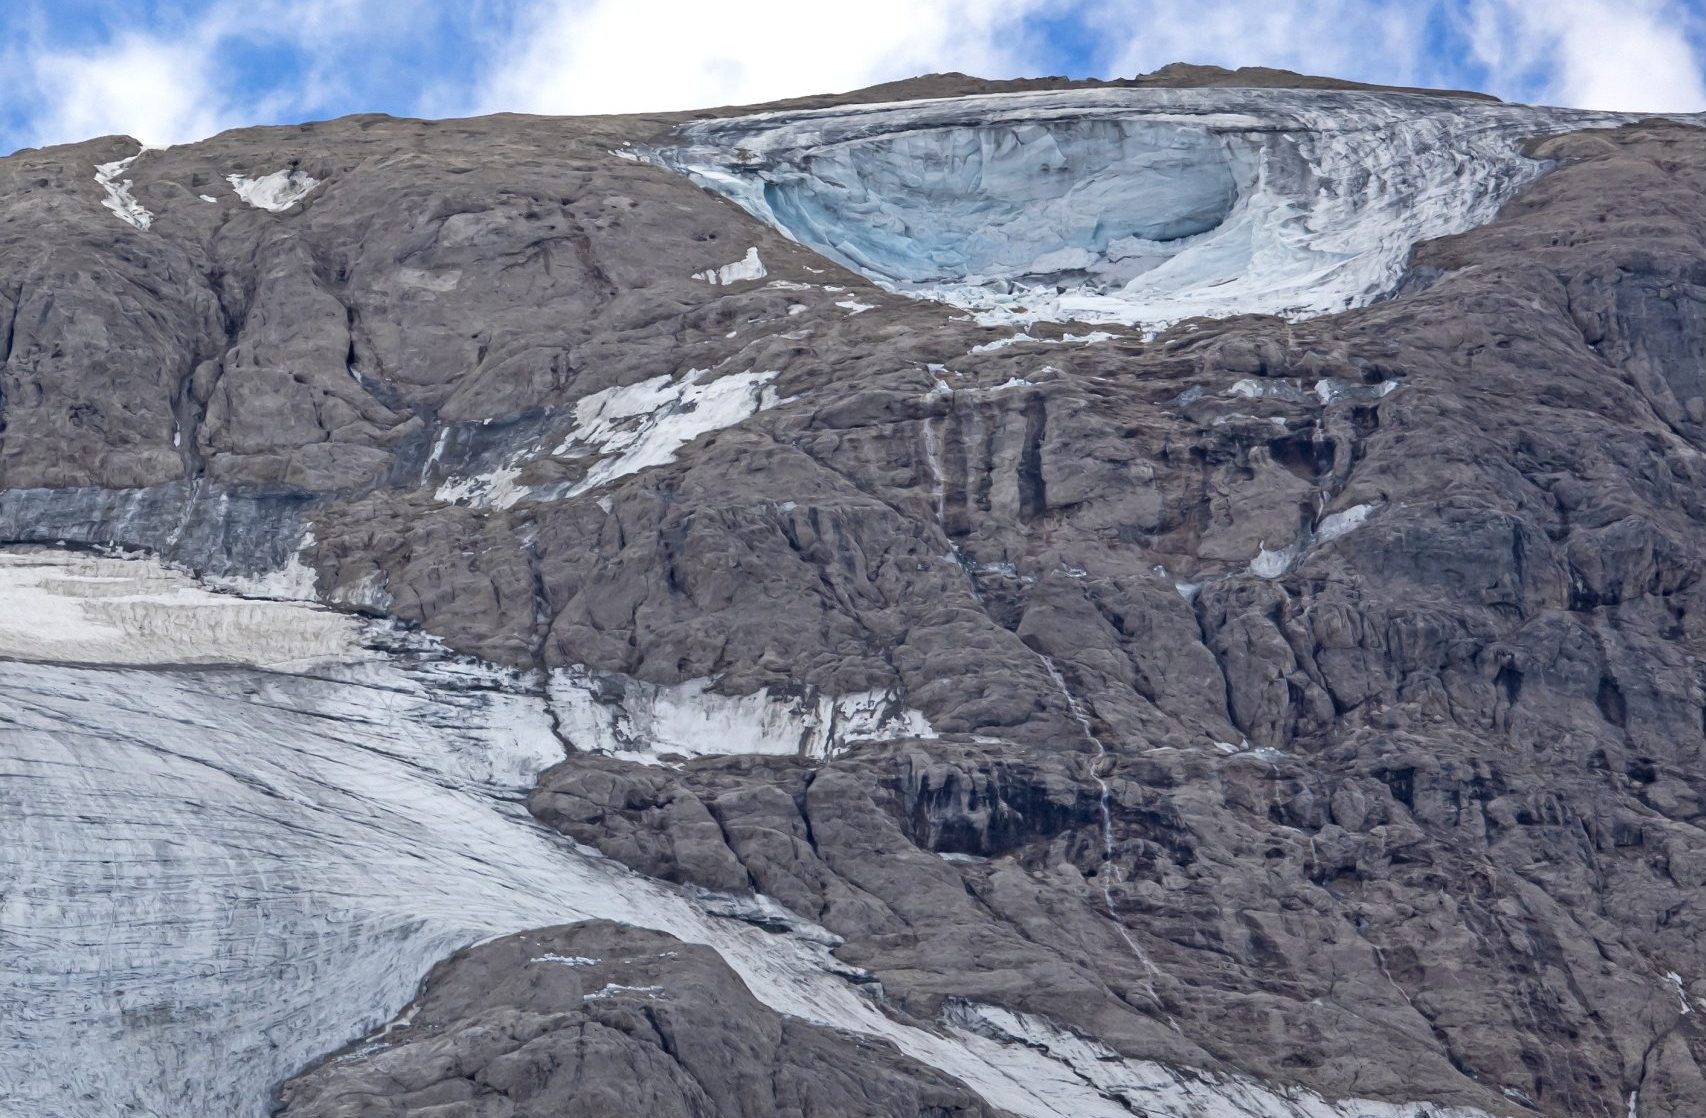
(603, 1019)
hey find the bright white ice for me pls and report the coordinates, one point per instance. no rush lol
(1125, 1087)
(630, 428)
(1141, 206)
(637, 426)
(639, 721)
(748, 267)
(118, 198)
(218, 873)
(276, 192)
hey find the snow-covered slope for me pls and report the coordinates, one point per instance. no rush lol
(218, 873)
(1142, 206)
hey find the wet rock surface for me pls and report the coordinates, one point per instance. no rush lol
(1317, 699)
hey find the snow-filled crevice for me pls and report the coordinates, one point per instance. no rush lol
(1139, 206)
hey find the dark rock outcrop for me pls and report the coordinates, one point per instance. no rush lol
(600, 1019)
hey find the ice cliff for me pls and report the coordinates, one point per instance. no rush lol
(1143, 207)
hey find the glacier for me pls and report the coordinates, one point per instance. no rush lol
(1144, 207)
(241, 838)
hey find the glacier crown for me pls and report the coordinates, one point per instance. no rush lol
(1138, 206)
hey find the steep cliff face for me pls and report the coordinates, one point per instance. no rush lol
(1159, 598)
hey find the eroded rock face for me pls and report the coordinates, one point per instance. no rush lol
(1316, 698)
(603, 1019)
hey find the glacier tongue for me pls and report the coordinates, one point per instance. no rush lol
(1139, 206)
(218, 873)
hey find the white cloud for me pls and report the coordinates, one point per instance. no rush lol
(1358, 39)
(1630, 55)
(159, 92)
(170, 74)
(1634, 55)
(605, 56)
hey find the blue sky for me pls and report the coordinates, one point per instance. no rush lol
(166, 71)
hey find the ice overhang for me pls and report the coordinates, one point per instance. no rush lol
(1142, 207)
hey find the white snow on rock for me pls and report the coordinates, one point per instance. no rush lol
(635, 720)
(1277, 562)
(1339, 523)
(637, 426)
(118, 198)
(1273, 563)
(70, 606)
(496, 489)
(631, 427)
(1087, 1079)
(1091, 338)
(218, 874)
(1140, 206)
(748, 267)
(276, 192)
(296, 581)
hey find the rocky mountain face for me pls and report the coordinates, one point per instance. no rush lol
(1180, 597)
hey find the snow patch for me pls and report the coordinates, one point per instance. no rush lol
(276, 192)
(495, 489)
(564, 960)
(1333, 390)
(748, 267)
(629, 718)
(1087, 1079)
(1337, 524)
(1273, 564)
(637, 426)
(118, 198)
(1681, 989)
(616, 989)
(1091, 338)
(296, 581)
(1002, 343)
